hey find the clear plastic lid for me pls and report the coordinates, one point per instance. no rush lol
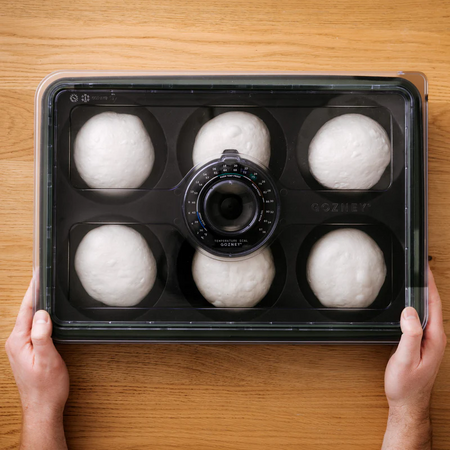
(213, 174)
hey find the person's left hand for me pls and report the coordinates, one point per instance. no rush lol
(40, 372)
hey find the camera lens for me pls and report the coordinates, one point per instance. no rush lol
(230, 207)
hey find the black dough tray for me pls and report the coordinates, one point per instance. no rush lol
(173, 108)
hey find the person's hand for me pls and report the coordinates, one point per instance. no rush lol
(410, 375)
(41, 377)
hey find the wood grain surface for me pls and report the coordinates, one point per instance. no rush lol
(215, 396)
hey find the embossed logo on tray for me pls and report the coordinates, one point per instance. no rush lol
(340, 207)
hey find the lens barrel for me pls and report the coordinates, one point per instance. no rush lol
(230, 207)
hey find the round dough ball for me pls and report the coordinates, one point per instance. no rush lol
(114, 151)
(234, 284)
(237, 130)
(346, 269)
(350, 151)
(115, 265)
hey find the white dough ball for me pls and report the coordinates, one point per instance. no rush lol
(234, 284)
(115, 265)
(113, 151)
(346, 269)
(350, 151)
(237, 130)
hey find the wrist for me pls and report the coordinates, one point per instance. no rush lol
(408, 427)
(42, 428)
(417, 415)
(42, 413)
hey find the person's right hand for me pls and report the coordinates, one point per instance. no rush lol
(412, 370)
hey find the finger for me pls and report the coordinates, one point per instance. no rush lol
(25, 316)
(435, 340)
(409, 347)
(435, 324)
(433, 350)
(41, 336)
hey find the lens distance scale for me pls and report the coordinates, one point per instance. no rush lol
(231, 206)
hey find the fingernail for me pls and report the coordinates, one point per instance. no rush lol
(410, 313)
(41, 317)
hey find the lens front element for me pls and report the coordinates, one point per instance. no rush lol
(230, 206)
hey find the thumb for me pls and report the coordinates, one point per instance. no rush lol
(409, 349)
(41, 332)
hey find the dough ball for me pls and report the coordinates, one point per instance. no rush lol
(351, 151)
(237, 130)
(114, 151)
(346, 269)
(115, 265)
(234, 284)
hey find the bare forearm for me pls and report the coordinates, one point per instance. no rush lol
(42, 430)
(407, 430)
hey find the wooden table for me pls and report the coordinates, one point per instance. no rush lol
(215, 396)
